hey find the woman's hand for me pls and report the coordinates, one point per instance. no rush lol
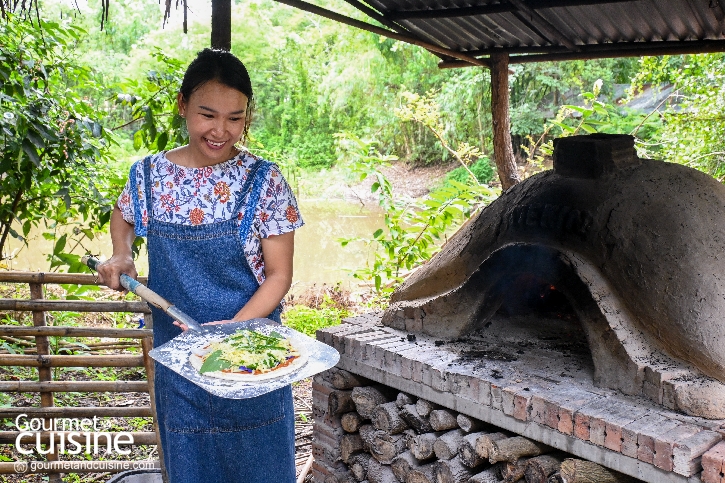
(109, 272)
(122, 236)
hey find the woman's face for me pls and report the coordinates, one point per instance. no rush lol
(215, 118)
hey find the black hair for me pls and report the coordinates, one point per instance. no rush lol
(223, 67)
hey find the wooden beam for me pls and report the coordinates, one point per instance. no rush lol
(531, 17)
(375, 15)
(502, 149)
(604, 51)
(74, 386)
(690, 46)
(624, 52)
(450, 12)
(221, 24)
(42, 348)
(322, 12)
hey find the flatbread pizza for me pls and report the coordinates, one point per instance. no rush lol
(248, 356)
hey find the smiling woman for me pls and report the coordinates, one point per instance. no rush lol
(220, 225)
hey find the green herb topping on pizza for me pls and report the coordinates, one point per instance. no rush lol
(248, 352)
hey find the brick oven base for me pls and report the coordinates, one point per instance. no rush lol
(537, 398)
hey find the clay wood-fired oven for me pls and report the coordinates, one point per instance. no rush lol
(583, 309)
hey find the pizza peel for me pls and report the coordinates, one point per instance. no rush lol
(175, 353)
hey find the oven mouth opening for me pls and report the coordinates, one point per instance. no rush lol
(532, 305)
(531, 294)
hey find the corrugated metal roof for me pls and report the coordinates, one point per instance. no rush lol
(559, 29)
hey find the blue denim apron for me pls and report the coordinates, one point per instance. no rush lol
(202, 269)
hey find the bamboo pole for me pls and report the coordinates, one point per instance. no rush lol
(118, 343)
(122, 360)
(14, 330)
(73, 412)
(36, 339)
(42, 347)
(17, 341)
(74, 386)
(59, 278)
(18, 305)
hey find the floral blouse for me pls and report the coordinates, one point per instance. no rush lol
(195, 196)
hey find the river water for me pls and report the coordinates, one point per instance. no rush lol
(319, 256)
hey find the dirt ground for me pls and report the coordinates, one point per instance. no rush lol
(407, 181)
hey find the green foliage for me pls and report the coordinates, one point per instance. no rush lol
(309, 319)
(413, 229)
(687, 128)
(693, 129)
(593, 116)
(153, 102)
(482, 170)
(51, 138)
(424, 110)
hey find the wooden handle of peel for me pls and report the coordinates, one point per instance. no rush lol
(145, 293)
(132, 285)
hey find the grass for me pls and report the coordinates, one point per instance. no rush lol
(317, 308)
(308, 319)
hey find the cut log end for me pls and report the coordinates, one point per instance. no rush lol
(581, 471)
(351, 422)
(511, 449)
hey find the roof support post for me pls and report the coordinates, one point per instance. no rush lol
(503, 152)
(221, 24)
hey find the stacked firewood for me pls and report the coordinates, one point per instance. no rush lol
(385, 436)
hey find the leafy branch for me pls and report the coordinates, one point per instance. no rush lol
(424, 110)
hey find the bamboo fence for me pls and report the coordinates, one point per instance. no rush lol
(37, 353)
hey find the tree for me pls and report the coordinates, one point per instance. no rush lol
(52, 144)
